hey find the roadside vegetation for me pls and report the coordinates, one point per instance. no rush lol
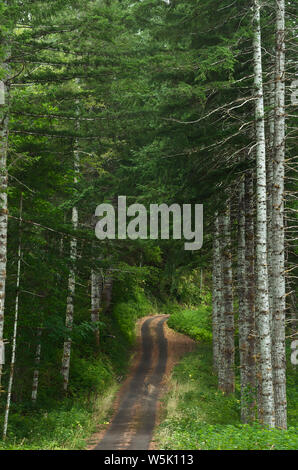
(199, 416)
(66, 422)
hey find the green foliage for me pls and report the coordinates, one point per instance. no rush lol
(292, 391)
(90, 376)
(49, 430)
(67, 426)
(118, 81)
(59, 422)
(201, 417)
(186, 287)
(195, 323)
(126, 313)
(188, 434)
(169, 306)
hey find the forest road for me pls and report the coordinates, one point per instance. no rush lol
(137, 407)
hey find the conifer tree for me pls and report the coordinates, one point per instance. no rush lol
(4, 124)
(266, 407)
(228, 309)
(278, 238)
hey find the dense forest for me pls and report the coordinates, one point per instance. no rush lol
(164, 102)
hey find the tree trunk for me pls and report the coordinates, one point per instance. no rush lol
(36, 370)
(15, 329)
(71, 283)
(4, 118)
(96, 291)
(270, 158)
(266, 407)
(242, 318)
(228, 313)
(250, 297)
(107, 291)
(278, 251)
(216, 294)
(201, 281)
(221, 317)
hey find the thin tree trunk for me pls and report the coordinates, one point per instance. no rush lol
(36, 370)
(270, 158)
(266, 407)
(107, 291)
(278, 252)
(201, 281)
(4, 119)
(293, 314)
(242, 319)
(250, 297)
(228, 313)
(96, 291)
(221, 317)
(71, 283)
(15, 329)
(216, 294)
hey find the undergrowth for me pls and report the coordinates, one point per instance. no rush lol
(198, 416)
(66, 422)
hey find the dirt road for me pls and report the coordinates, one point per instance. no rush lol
(137, 407)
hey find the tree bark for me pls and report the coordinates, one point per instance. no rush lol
(266, 407)
(15, 329)
(221, 317)
(242, 317)
(107, 291)
(96, 292)
(250, 297)
(216, 294)
(201, 281)
(278, 250)
(36, 370)
(228, 313)
(71, 282)
(270, 158)
(4, 119)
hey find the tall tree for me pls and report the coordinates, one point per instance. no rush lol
(250, 380)
(266, 407)
(216, 294)
(35, 380)
(228, 309)
(71, 280)
(15, 328)
(4, 121)
(241, 288)
(278, 248)
(221, 339)
(96, 293)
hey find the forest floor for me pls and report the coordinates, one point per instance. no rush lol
(137, 408)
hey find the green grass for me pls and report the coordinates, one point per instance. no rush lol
(198, 416)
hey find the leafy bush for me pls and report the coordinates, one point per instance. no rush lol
(90, 375)
(194, 323)
(126, 313)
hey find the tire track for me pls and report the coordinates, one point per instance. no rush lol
(115, 434)
(147, 415)
(138, 410)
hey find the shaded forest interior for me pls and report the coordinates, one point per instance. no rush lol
(164, 102)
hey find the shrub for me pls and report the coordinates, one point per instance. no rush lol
(194, 323)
